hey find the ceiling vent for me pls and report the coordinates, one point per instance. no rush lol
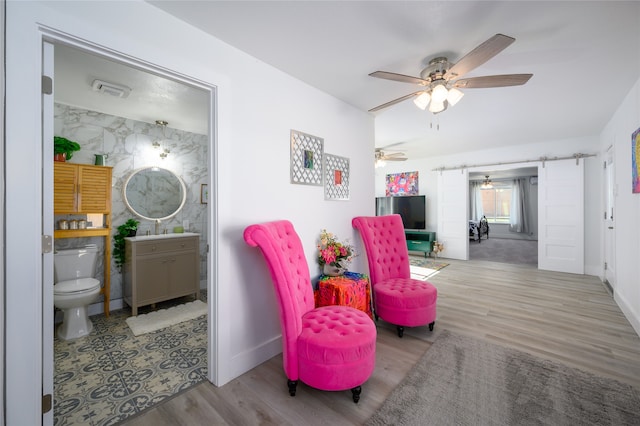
(112, 89)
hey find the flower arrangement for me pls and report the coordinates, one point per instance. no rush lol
(437, 248)
(333, 252)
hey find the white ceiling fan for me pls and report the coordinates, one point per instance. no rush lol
(383, 156)
(441, 82)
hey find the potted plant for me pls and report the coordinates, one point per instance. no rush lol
(127, 229)
(63, 148)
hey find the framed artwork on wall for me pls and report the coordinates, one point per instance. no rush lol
(635, 161)
(306, 158)
(336, 179)
(399, 184)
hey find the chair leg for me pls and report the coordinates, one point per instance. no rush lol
(400, 330)
(431, 325)
(356, 393)
(292, 387)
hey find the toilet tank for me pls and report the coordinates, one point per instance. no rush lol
(71, 264)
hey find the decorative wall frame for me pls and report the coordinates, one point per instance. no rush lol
(399, 184)
(306, 158)
(336, 177)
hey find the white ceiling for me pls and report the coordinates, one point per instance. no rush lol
(151, 98)
(584, 56)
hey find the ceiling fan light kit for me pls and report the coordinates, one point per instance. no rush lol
(441, 79)
(486, 184)
(422, 100)
(436, 107)
(454, 96)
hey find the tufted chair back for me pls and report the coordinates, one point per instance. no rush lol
(289, 271)
(386, 246)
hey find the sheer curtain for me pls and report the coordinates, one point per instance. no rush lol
(475, 205)
(518, 213)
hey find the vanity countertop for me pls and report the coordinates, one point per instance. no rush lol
(161, 236)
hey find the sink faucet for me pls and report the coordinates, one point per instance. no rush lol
(157, 226)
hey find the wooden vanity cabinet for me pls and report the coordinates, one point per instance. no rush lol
(158, 269)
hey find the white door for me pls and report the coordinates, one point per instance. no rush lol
(561, 216)
(609, 221)
(47, 230)
(453, 205)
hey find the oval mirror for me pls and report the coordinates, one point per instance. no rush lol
(154, 193)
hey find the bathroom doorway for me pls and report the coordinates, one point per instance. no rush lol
(82, 111)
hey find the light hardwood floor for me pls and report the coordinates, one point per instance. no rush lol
(563, 317)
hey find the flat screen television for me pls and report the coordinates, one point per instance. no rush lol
(412, 209)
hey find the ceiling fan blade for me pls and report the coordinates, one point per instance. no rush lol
(394, 159)
(492, 81)
(392, 145)
(395, 101)
(399, 77)
(394, 154)
(480, 55)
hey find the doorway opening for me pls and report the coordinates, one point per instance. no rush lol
(492, 194)
(111, 373)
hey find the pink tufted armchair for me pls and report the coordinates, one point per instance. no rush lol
(329, 348)
(397, 298)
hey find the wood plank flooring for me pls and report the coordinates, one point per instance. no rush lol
(563, 317)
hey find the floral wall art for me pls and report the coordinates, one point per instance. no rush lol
(399, 184)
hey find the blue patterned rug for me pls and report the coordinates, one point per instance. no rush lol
(111, 374)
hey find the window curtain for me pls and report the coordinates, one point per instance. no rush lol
(475, 205)
(518, 212)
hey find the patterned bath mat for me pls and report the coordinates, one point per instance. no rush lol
(163, 318)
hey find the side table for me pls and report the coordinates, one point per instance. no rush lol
(351, 289)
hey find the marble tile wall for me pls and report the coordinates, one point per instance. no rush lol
(128, 147)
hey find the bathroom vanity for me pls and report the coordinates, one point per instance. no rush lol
(161, 267)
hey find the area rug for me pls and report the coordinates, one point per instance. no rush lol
(422, 268)
(465, 381)
(153, 321)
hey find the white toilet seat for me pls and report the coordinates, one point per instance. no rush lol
(80, 285)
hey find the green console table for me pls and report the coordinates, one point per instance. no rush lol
(420, 241)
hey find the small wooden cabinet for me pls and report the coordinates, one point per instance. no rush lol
(81, 189)
(420, 241)
(161, 267)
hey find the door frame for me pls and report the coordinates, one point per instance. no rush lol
(609, 194)
(48, 35)
(503, 167)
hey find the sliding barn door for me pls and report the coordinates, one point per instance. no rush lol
(453, 207)
(561, 216)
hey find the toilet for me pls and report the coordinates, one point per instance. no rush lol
(74, 289)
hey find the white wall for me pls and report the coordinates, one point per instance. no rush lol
(257, 106)
(550, 149)
(627, 206)
(2, 235)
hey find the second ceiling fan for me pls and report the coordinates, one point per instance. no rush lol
(441, 80)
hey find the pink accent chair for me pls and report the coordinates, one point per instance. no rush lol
(397, 298)
(330, 348)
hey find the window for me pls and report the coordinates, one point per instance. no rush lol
(496, 202)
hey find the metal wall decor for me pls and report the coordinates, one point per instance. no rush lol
(306, 158)
(336, 177)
